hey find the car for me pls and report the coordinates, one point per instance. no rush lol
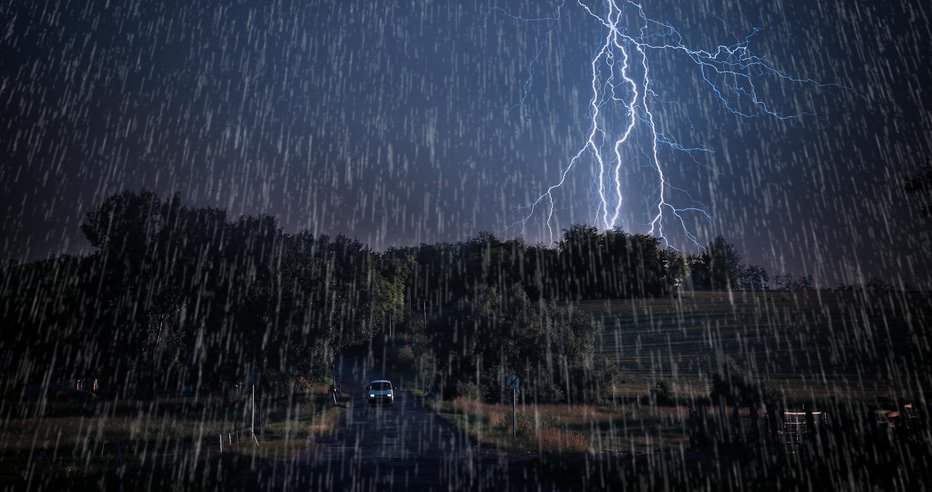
(380, 391)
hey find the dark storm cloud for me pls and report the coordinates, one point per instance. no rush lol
(393, 122)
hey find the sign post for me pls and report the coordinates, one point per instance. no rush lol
(514, 383)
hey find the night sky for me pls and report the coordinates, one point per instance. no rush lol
(401, 122)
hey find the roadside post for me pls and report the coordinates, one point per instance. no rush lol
(252, 425)
(334, 388)
(514, 383)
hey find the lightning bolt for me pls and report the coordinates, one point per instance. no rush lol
(621, 75)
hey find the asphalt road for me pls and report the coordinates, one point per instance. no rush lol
(400, 447)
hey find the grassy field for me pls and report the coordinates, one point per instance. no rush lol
(156, 443)
(808, 345)
(570, 429)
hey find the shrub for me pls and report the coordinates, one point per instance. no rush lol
(739, 386)
(406, 355)
(661, 394)
(468, 390)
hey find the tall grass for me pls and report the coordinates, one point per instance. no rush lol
(568, 429)
(83, 442)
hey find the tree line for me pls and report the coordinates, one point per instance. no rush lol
(178, 295)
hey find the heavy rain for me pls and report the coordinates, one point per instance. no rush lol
(465, 245)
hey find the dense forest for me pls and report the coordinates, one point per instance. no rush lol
(183, 296)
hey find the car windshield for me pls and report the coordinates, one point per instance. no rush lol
(380, 386)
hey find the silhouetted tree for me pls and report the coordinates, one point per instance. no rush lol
(754, 278)
(787, 282)
(717, 267)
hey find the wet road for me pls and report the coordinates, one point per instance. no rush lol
(401, 447)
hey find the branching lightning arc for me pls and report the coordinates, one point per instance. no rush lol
(621, 77)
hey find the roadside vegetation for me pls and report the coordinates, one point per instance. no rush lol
(76, 439)
(556, 428)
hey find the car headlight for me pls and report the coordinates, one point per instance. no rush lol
(371, 395)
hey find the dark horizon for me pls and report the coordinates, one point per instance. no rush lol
(907, 284)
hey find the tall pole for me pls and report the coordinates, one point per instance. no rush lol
(514, 412)
(252, 426)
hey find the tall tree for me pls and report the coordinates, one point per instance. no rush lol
(717, 267)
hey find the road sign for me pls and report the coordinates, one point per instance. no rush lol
(513, 381)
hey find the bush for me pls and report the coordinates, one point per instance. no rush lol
(547, 393)
(661, 394)
(739, 387)
(468, 390)
(406, 355)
